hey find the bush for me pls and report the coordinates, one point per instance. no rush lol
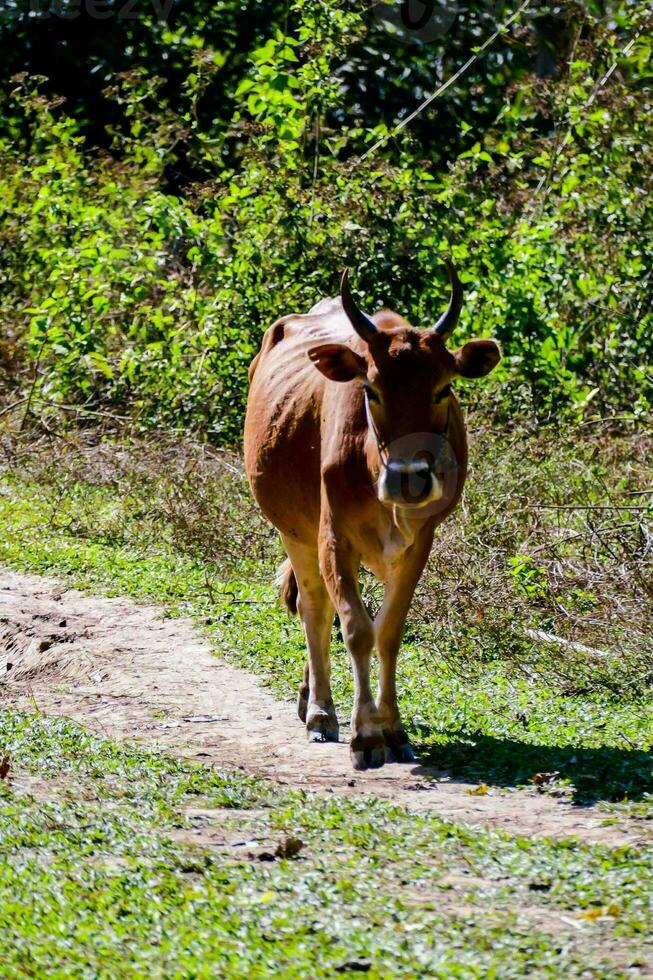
(117, 295)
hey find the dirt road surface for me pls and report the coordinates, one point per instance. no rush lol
(126, 671)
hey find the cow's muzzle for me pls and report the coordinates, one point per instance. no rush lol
(409, 483)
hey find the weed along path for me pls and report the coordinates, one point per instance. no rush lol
(125, 670)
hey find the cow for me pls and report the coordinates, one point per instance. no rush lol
(355, 449)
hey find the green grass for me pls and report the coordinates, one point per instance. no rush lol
(98, 872)
(93, 881)
(497, 727)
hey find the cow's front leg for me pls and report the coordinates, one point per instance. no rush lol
(367, 745)
(394, 734)
(388, 641)
(340, 570)
(389, 628)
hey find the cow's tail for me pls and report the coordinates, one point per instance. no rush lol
(287, 583)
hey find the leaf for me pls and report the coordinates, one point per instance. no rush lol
(479, 790)
(612, 909)
(593, 914)
(289, 848)
(101, 364)
(540, 778)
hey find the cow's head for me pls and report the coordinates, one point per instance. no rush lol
(406, 375)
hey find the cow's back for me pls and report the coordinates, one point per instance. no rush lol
(282, 424)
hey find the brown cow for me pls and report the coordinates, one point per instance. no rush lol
(355, 450)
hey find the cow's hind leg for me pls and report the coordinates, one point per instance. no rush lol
(302, 694)
(315, 703)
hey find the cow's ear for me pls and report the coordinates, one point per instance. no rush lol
(338, 362)
(477, 358)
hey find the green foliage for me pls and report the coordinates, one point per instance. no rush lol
(78, 52)
(116, 292)
(528, 577)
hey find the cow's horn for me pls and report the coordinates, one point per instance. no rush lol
(449, 318)
(364, 327)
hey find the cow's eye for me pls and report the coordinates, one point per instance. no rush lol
(371, 394)
(441, 395)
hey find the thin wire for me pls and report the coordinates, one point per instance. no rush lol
(590, 99)
(443, 88)
(316, 162)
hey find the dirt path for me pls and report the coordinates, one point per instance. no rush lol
(125, 671)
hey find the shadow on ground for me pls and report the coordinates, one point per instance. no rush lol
(607, 773)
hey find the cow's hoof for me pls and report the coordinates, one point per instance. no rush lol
(322, 725)
(367, 752)
(397, 747)
(327, 734)
(399, 753)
